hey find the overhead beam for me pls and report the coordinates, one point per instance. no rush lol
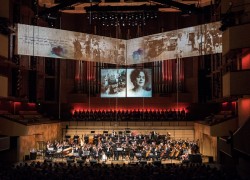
(144, 7)
(181, 6)
(57, 7)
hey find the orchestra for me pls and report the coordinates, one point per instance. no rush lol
(121, 146)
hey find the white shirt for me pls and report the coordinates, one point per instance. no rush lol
(140, 93)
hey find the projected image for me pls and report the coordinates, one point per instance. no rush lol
(113, 82)
(139, 83)
(187, 42)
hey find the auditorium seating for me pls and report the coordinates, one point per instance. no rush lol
(44, 170)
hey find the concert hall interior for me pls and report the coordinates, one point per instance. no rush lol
(140, 84)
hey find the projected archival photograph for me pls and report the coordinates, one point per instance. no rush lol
(139, 82)
(48, 42)
(113, 83)
(192, 41)
(135, 51)
(55, 43)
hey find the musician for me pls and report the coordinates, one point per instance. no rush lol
(80, 151)
(132, 153)
(157, 153)
(116, 155)
(76, 151)
(103, 157)
(108, 151)
(94, 153)
(124, 153)
(100, 153)
(49, 145)
(85, 152)
(86, 139)
(184, 155)
(137, 145)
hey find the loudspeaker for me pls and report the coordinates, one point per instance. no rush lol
(210, 159)
(92, 132)
(33, 155)
(26, 157)
(105, 132)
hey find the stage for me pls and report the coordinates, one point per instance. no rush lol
(78, 161)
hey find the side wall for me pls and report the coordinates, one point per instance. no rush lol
(206, 142)
(36, 134)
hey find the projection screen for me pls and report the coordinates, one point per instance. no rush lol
(55, 43)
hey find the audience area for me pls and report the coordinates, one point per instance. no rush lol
(44, 170)
(25, 117)
(214, 119)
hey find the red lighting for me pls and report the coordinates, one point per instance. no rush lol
(245, 104)
(17, 103)
(234, 103)
(224, 104)
(246, 60)
(32, 104)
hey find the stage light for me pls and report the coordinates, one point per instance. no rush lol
(123, 19)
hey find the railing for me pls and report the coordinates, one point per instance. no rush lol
(162, 124)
